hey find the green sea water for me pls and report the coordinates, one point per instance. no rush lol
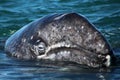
(14, 14)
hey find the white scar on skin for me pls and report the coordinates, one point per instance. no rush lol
(23, 40)
(108, 60)
(82, 27)
(59, 17)
(31, 37)
(41, 56)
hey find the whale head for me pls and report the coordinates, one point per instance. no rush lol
(61, 37)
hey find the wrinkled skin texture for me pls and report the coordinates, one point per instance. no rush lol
(61, 37)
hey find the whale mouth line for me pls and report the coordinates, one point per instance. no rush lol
(62, 49)
(56, 52)
(65, 49)
(58, 47)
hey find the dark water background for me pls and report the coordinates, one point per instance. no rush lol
(104, 14)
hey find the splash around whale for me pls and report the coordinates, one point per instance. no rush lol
(61, 37)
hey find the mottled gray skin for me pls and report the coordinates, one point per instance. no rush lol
(61, 37)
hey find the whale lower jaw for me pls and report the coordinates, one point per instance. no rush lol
(74, 53)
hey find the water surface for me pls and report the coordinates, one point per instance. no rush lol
(104, 14)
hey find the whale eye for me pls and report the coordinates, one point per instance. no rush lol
(39, 45)
(42, 46)
(39, 49)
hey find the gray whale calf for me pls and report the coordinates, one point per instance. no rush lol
(61, 37)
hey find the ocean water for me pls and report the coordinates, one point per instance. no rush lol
(14, 14)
